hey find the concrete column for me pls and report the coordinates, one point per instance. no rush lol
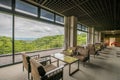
(99, 35)
(70, 31)
(90, 35)
(96, 37)
(93, 36)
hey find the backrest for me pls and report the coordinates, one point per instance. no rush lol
(91, 48)
(26, 62)
(83, 51)
(34, 69)
(72, 48)
(97, 46)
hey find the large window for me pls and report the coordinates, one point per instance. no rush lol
(27, 32)
(81, 38)
(26, 8)
(47, 15)
(81, 34)
(6, 4)
(5, 38)
(41, 36)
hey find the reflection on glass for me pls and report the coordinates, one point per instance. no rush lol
(6, 4)
(26, 8)
(47, 15)
(79, 27)
(59, 19)
(5, 38)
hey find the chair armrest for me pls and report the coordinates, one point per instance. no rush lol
(55, 70)
(36, 56)
(54, 74)
(45, 58)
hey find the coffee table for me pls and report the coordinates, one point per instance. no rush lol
(67, 59)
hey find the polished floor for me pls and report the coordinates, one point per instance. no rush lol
(103, 67)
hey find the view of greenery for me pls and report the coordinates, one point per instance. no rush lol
(43, 43)
(47, 42)
(81, 39)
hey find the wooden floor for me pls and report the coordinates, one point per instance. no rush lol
(103, 67)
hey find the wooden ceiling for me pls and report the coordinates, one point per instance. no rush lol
(101, 14)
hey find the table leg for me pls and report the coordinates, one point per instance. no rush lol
(58, 62)
(69, 69)
(78, 64)
(70, 73)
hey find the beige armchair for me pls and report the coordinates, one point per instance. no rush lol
(48, 72)
(82, 54)
(26, 61)
(69, 51)
(91, 49)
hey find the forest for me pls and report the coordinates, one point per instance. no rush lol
(47, 42)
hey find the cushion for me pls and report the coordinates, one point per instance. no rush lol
(41, 71)
(69, 52)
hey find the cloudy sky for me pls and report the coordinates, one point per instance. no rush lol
(25, 28)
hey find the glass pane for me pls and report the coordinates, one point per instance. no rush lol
(31, 35)
(79, 27)
(81, 38)
(83, 28)
(6, 4)
(5, 39)
(26, 8)
(59, 19)
(47, 15)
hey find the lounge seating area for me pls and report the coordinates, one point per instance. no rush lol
(102, 67)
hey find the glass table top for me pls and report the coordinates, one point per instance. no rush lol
(62, 57)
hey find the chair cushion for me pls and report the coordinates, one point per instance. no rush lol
(69, 52)
(49, 67)
(41, 71)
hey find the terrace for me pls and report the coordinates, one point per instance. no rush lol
(46, 27)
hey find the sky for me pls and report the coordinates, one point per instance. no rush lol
(26, 28)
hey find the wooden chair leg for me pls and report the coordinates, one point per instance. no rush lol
(23, 68)
(28, 76)
(31, 78)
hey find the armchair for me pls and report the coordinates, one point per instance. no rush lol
(70, 51)
(82, 54)
(26, 61)
(48, 72)
(91, 49)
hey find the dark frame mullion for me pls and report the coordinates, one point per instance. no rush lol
(13, 30)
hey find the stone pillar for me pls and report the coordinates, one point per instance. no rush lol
(70, 31)
(96, 39)
(90, 35)
(93, 36)
(99, 36)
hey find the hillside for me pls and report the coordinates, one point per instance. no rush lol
(43, 43)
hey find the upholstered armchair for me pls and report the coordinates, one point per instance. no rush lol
(26, 61)
(48, 72)
(69, 51)
(91, 49)
(98, 46)
(82, 54)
